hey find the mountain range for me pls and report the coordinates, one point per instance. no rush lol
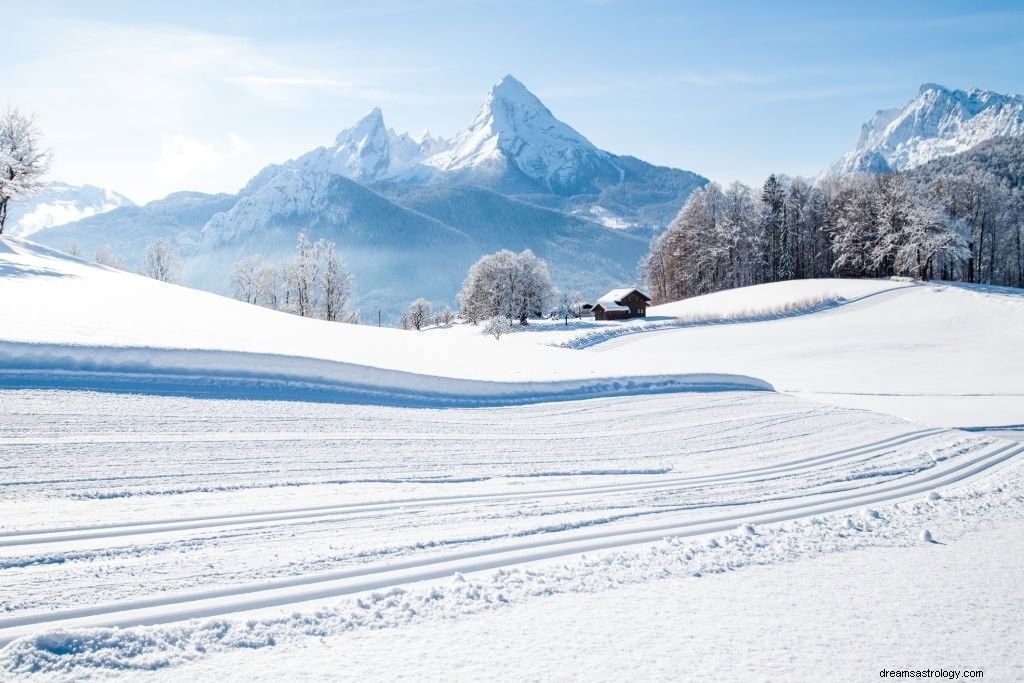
(411, 214)
(937, 123)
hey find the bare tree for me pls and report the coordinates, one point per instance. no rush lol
(245, 279)
(105, 256)
(417, 315)
(161, 262)
(496, 326)
(268, 283)
(302, 274)
(22, 161)
(335, 283)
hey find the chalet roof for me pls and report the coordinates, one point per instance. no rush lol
(610, 306)
(610, 301)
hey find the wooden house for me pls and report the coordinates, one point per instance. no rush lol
(619, 304)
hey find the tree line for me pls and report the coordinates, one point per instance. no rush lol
(937, 222)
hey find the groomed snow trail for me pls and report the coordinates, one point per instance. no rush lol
(232, 506)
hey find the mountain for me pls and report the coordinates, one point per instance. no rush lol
(178, 218)
(937, 123)
(516, 141)
(411, 214)
(395, 253)
(1001, 158)
(59, 203)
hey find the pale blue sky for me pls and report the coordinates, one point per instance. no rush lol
(148, 98)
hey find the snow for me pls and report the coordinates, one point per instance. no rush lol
(514, 126)
(195, 487)
(937, 122)
(938, 353)
(753, 624)
(168, 333)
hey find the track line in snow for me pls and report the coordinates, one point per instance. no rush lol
(279, 592)
(13, 539)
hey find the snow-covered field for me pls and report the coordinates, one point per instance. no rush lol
(195, 488)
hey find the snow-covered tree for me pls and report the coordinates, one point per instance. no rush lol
(446, 315)
(496, 326)
(160, 261)
(245, 279)
(73, 248)
(417, 315)
(22, 160)
(105, 256)
(516, 286)
(335, 283)
(268, 286)
(565, 308)
(302, 275)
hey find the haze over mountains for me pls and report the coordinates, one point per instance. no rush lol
(410, 214)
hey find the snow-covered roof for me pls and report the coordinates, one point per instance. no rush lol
(610, 306)
(610, 301)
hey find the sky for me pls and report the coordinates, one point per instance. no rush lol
(156, 97)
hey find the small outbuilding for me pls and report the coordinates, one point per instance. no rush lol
(620, 304)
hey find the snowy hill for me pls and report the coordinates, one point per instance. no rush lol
(58, 204)
(197, 488)
(938, 122)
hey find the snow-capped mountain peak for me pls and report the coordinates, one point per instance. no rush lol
(368, 151)
(513, 127)
(363, 151)
(937, 122)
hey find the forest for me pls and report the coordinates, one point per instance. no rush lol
(956, 218)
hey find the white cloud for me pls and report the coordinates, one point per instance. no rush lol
(107, 94)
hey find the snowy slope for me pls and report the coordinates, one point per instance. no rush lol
(60, 203)
(375, 487)
(938, 122)
(939, 353)
(64, 316)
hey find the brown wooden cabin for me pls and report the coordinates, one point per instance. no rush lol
(620, 304)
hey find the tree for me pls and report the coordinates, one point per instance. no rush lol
(496, 326)
(22, 161)
(311, 283)
(268, 283)
(417, 315)
(245, 279)
(161, 262)
(565, 307)
(446, 315)
(301, 275)
(516, 286)
(105, 256)
(335, 283)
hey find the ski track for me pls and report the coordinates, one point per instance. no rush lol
(415, 508)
